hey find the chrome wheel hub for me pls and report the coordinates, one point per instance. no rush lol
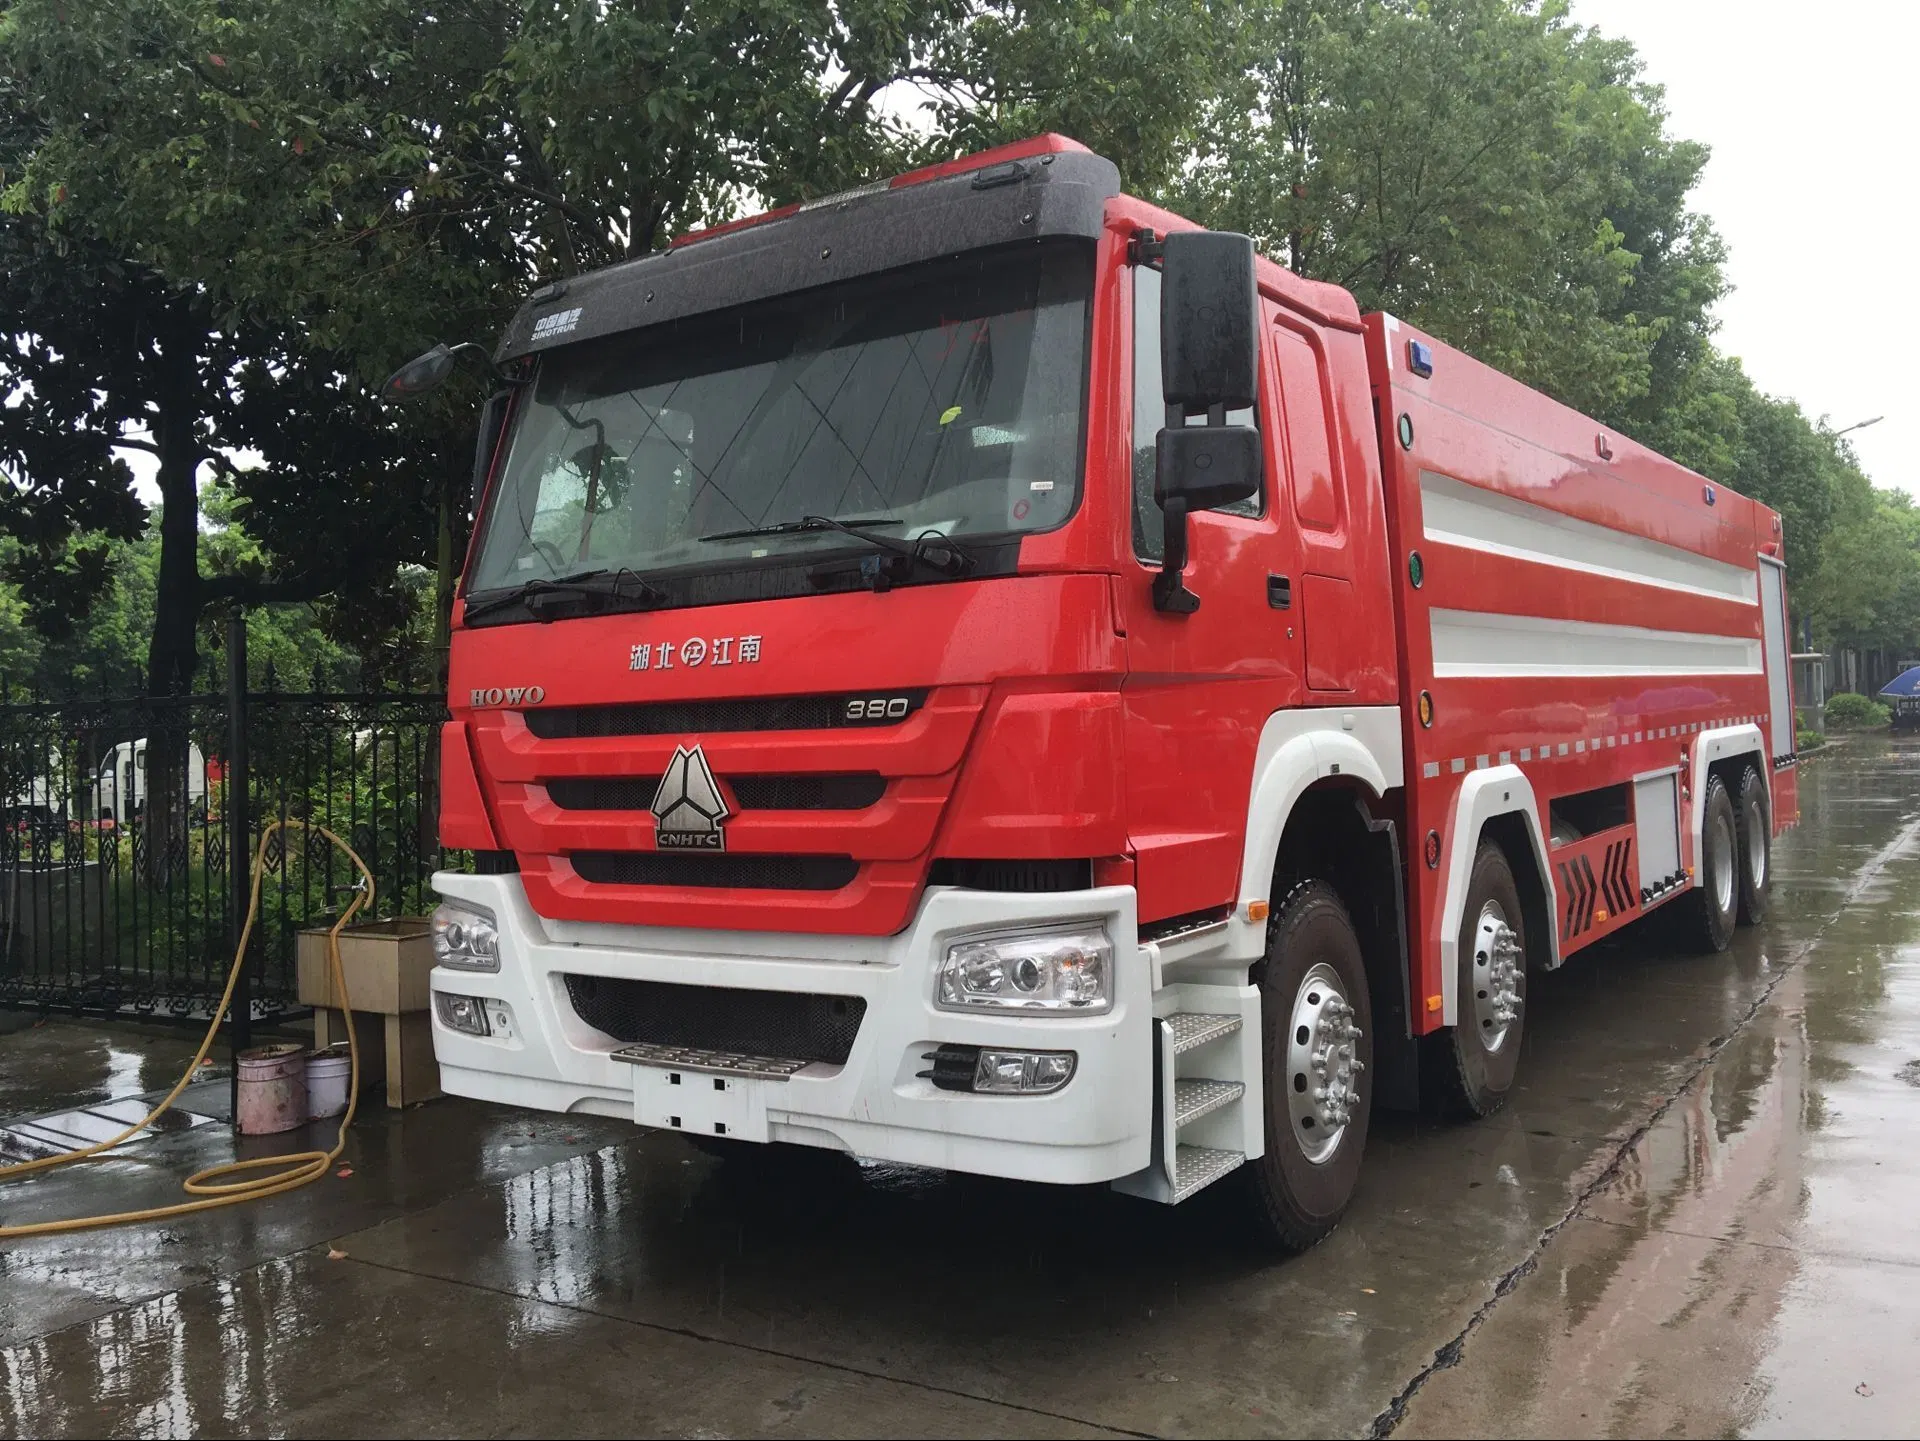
(1498, 976)
(1323, 1065)
(1757, 847)
(1723, 862)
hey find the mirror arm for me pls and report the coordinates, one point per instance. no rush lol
(1170, 591)
(494, 372)
(1146, 248)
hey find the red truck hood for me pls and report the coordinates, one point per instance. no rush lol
(834, 808)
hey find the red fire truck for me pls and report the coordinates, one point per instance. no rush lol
(977, 672)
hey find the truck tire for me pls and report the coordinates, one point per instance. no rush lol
(1712, 906)
(1475, 1061)
(1756, 846)
(1316, 1050)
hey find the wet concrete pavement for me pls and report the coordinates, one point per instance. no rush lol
(1697, 1217)
(52, 1064)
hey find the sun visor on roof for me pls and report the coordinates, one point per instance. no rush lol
(858, 234)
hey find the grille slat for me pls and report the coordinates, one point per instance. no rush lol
(853, 792)
(795, 1026)
(712, 717)
(1023, 875)
(739, 870)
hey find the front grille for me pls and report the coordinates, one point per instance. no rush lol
(738, 870)
(1013, 875)
(800, 1027)
(752, 793)
(709, 717)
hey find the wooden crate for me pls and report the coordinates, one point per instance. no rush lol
(385, 965)
(396, 1050)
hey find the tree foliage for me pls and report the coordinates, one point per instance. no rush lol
(316, 191)
(267, 206)
(100, 353)
(1484, 169)
(105, 649)
(379, 171)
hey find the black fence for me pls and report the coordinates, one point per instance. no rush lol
(117, 880)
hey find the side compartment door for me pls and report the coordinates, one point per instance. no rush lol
(1200, 687)
(1781, 738)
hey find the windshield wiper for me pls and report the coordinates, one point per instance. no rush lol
(935, 552)
(583, 584)
(807, 522)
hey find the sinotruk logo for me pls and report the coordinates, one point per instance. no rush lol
(688, 808)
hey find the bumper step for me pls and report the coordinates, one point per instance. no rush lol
(718, 1063)
(1191, 1031)
(1193, 1099)
(1196, 1167)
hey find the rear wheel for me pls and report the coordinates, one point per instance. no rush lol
(1756, 847)
(1316, 1048)
(1479, 1058)
(1712, 906)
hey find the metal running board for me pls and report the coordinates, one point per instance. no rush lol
(1206, 1076)
(718, 1063)
(1196, 1167)
(1190, 1030)
(1193, 1099)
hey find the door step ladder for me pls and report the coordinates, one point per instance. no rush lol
(1203, 1128)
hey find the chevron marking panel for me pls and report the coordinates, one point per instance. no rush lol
(1596, 886)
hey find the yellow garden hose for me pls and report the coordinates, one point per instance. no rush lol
(210, 1185)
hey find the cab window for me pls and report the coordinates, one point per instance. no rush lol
(1149, 416)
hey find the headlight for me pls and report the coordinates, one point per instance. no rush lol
(465, 936)
(1065, 970)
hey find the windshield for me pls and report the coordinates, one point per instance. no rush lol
(944, 399)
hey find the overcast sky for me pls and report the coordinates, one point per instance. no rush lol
(1808, 109)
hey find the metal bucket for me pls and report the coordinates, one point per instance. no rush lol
(329, 1073)
(273, 1090)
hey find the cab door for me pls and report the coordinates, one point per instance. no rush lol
(1200, 687)
(1317, 489)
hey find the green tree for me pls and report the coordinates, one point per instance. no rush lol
(1865, 592)
(1482, 168)
(382, 170)
(361, 176)
(100, 354)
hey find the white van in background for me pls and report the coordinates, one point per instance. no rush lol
(120, 786)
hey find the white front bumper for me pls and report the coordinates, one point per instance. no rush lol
(1094, 1129)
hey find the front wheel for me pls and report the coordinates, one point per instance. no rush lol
(1316, 1050)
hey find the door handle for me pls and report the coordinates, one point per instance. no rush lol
(1279, 592)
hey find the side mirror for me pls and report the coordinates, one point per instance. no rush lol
(420, 375)
(1209, 347)
(1207, 466)
(1209, 363)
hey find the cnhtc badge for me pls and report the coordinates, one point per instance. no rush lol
(688, 809)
